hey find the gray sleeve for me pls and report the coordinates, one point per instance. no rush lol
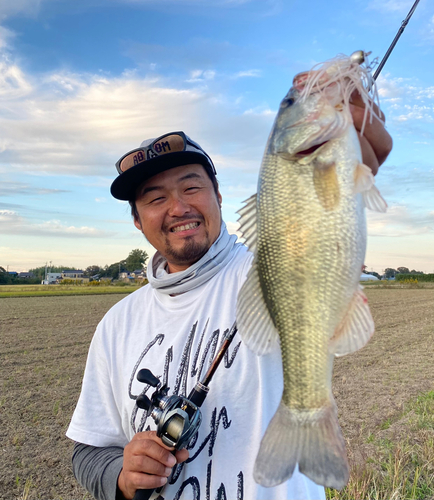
(98, 469)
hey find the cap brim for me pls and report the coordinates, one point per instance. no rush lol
(125, 185)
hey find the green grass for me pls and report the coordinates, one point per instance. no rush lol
(400, 468)
(56, 290)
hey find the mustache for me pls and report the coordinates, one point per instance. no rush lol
(184, 219)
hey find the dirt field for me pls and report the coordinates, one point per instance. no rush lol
(43, 352)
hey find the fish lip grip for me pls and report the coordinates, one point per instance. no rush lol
(177, 418)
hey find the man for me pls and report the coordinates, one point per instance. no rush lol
(174, 327)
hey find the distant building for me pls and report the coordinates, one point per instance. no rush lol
(368, 277)
(73, 274)
(25, 275)
(76, 275)
(52, 279)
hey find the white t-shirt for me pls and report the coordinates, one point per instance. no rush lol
(176, 337)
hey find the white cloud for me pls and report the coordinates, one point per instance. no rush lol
(5, 36)
(13, 83)
(405, 99)
(399, 221)
(80, 124)
(200, 75)
(12, 222)
(388, 6)
(251, 73)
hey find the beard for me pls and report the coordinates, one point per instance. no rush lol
(190, 252)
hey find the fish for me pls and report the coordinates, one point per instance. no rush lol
(306, 227)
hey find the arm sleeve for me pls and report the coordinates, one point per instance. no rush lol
(98, 469)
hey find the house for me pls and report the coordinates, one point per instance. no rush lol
(76, 275)
(139, 274)
(52, 279)
(25, 275)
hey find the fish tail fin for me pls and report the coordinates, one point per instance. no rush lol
(311, 439)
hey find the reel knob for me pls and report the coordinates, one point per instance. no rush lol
(143, 402)
(147, 377)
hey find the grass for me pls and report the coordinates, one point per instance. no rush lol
(7, 291)
(400, 468)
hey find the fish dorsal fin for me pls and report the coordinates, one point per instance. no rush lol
(356, 328)
(364, 183)
(247, 222)
(253, 319)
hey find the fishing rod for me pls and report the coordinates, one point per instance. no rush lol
(395, 40)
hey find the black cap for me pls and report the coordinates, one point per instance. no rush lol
(125, 185)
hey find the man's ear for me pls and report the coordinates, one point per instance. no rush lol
(219, 198)
(138, 224)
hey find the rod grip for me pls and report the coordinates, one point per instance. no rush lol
(143, 494)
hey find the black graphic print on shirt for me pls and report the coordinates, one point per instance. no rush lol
(191, 369)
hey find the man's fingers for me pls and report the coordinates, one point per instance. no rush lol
(356, 100)
(148, 465)
(182, 455)
(143, 481)
(369, 157)
(154, 449)
(375, 133)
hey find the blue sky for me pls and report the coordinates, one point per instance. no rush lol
(84, 81)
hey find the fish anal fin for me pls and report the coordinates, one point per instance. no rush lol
(254, 322)
(312, 438)
(356, 328)
(325, 181)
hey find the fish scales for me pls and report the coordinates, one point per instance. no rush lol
(302, 290)
(297, 250)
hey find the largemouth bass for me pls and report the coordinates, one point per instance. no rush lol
(307, 229)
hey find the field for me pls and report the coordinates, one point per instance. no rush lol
(7, 291)
(385, 395)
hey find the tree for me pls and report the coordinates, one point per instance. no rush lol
(93, 270)
(403, 270)
(136, 260)
(5, 278)
(390, 273)
(39, 272)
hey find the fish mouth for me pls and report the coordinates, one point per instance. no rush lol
(309, 151)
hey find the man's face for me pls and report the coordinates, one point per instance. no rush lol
(179, 214)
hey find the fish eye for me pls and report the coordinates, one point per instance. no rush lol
(289, 101)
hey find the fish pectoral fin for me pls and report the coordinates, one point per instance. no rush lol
(253, 319)
(374, 200)
(325, 181)
(364, 183)
(355, 329)
(363, 178)
(247, 222)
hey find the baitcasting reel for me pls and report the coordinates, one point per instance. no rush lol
(177, 417)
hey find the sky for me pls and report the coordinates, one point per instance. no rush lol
(84, 81)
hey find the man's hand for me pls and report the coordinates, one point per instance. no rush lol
(147, 464)
(375, 142)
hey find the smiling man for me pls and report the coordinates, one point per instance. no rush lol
(174, 326)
